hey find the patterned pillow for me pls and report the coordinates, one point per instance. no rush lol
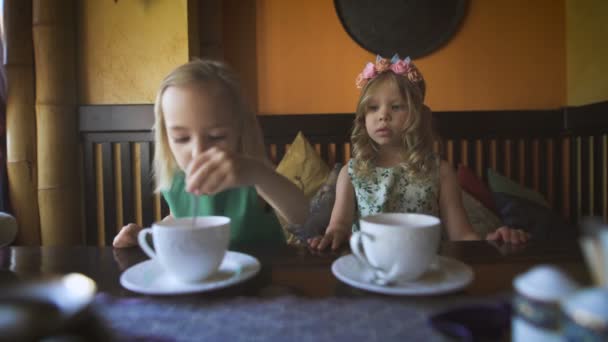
(481, 218)
(502, 184)
(475, 187)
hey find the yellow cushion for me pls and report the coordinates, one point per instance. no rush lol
(302, 165)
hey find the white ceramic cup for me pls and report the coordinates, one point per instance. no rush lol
(397, 246)
(188, 253)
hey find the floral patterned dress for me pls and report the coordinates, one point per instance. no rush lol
(392, 190)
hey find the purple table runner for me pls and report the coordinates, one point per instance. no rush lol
(283, 318)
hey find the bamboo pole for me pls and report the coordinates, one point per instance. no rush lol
(54, 28)
(21, 120)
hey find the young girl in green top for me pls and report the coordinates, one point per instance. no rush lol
(394, 168)
(207, 144)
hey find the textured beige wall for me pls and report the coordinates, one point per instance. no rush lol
(126, 47)
(587, 51)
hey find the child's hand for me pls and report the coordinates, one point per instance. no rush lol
(509, 235)
(333, 237)
(216, 170)
(127, 236)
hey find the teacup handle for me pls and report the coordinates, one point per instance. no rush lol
(381, 276)
(143, 242)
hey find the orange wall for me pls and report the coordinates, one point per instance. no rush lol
(509, 54)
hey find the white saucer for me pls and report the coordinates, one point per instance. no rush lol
(148, 277)
(451, 275)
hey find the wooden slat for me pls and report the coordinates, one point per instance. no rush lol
(331, 154)
(90, 193)
(464, 152)
(591, 175)
(272, 154)
(127, 183)
(535, 165)
(147, 183)
(566, 156)
(578, 174)
(521, 145)
(450, 151)
(118, 187)
(550, 177)
(101, 217)
(347, 152)
(136, 176)
(605, 177)
(108, 197)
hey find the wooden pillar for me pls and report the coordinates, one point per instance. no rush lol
(21, 120)
(54, 28)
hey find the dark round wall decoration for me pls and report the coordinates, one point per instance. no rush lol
(409, 27)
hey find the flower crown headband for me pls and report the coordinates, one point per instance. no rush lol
(403, 67)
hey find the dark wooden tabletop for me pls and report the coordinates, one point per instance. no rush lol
(293, 269)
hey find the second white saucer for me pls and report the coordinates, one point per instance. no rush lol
(451, 275)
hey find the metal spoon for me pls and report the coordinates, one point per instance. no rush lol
(194, 211)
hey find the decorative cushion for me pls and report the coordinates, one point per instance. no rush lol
(535, 218)
(481, 218)
(502, 184)
(321, 206)
(303, 166)
(476, 187)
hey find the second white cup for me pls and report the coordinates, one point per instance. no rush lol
(397, 246)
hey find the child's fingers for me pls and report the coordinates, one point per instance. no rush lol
(199, 160)
(338, 239)
(314, 242)
(197, 175)
(325, 241)
(127, 236)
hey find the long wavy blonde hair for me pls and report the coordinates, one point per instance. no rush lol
(417, 136)
(206, 73)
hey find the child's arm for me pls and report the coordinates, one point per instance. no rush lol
(341, 221)
(451, 210)
(216, 170)
(127, 236)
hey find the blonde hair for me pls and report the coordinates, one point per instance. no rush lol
(205, 73)
(417, 137)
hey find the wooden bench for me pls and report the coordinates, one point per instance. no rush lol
(561, 153)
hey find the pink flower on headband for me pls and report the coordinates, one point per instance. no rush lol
(400, 67)
(403, 67)
(369, 71)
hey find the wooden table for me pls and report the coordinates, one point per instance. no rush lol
(297, 269)
(305, 278)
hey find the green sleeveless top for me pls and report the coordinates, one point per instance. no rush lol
(391, 190)
(250, 223)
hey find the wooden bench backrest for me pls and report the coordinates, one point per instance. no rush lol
(560, 153)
